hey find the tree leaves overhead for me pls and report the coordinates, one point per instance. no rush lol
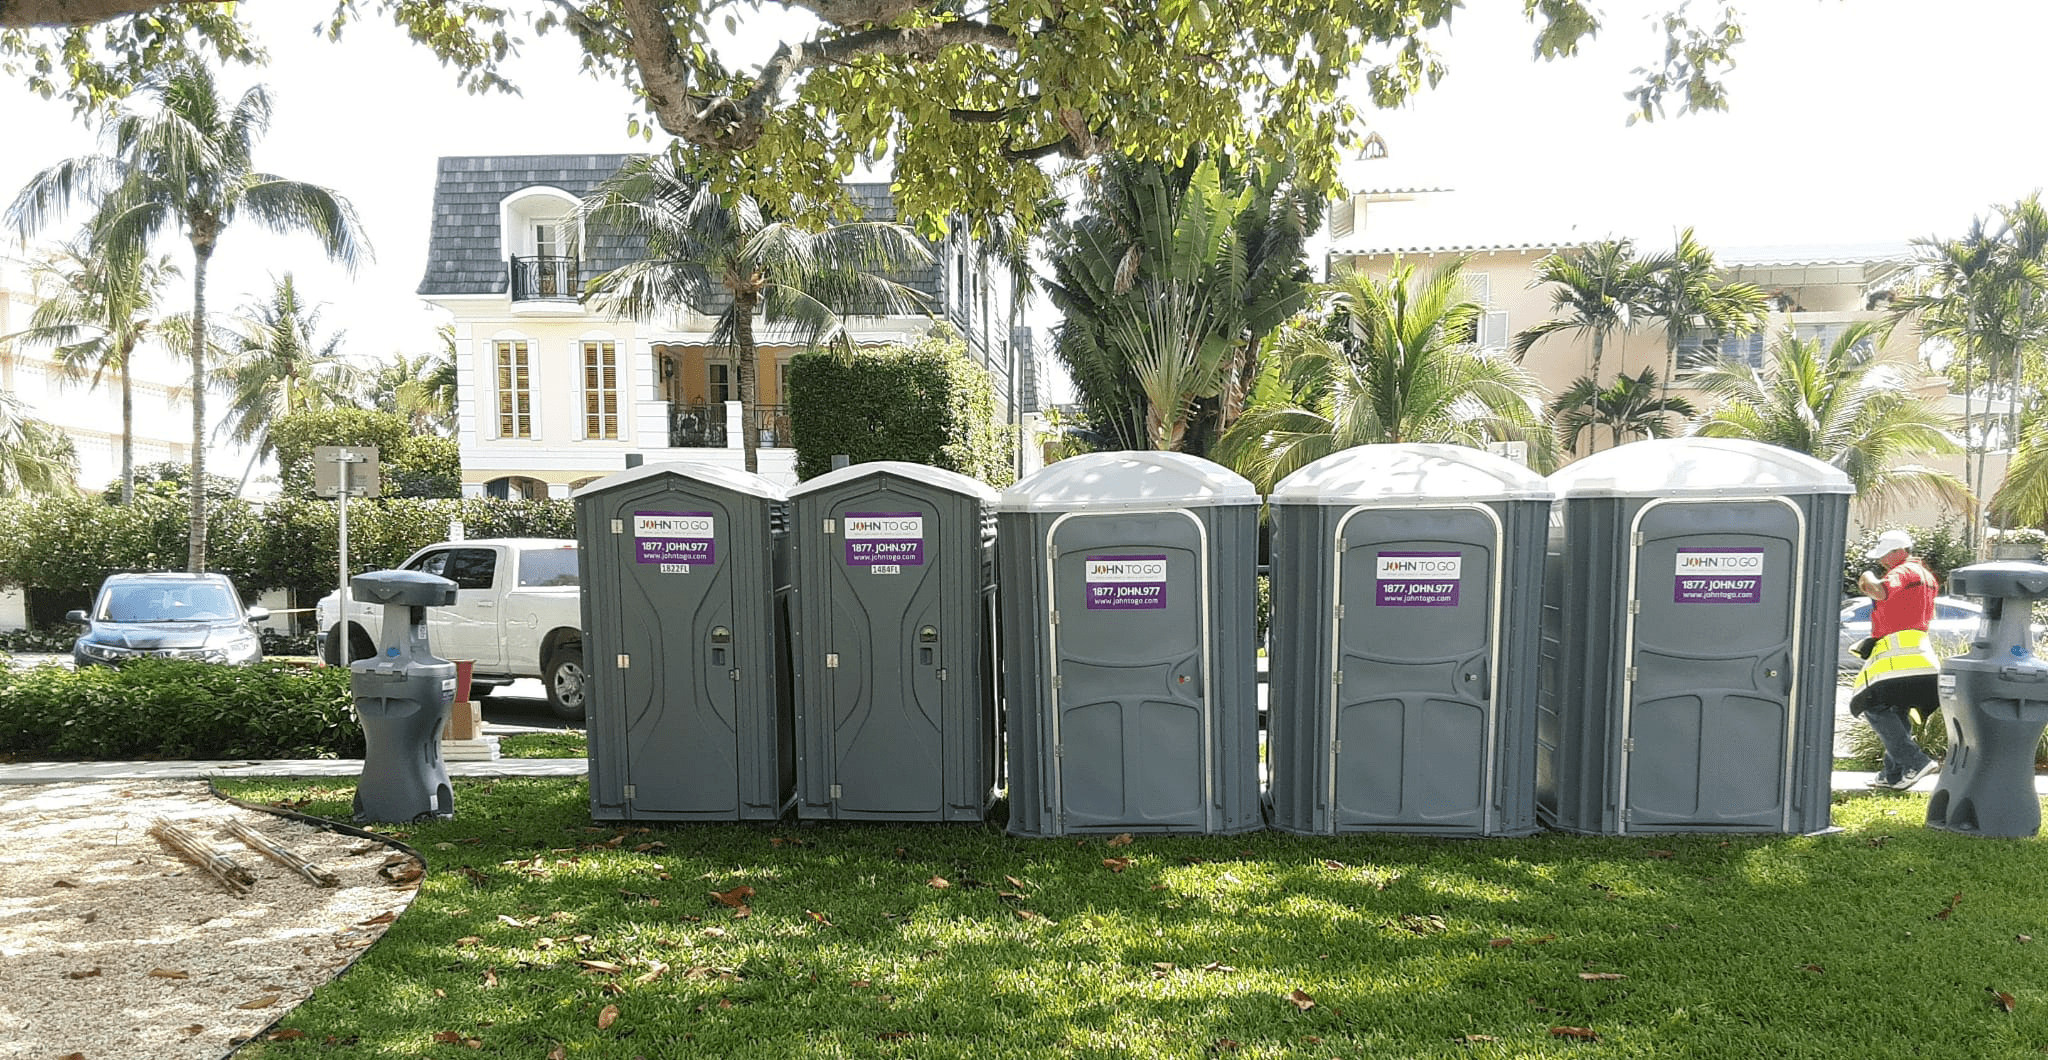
(967, 100)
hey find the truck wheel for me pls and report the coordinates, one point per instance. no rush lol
(359, 646)
(564, 677)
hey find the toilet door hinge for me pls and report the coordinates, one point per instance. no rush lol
(1628, 745)
(1058, 681)
(734, 674)
(1631, 673)
(1635, 607)
(1638, 538)
(625, 662)
(832, 660)
(835, 791)
(1336, 747)
(1340, 610)
(942, 673)
(831, 527)
(1054, 617)
(1337, 677)
(630, 791)
(618, 526)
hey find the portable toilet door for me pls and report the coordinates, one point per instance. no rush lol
(1420, 730)
(1150, 727)
(893, 642)
(1708, 717)
(683, 589)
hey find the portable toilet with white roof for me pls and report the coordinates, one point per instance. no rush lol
(1407, 592)
(1129, 599)
(685, 574)
(893, 643)
(1690, 627)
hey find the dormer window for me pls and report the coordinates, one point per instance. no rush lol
(537, 238)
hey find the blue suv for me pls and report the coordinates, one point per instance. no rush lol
(168, 615)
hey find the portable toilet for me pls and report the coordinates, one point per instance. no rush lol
(892, 638)
(685, 625)
(1690, 622)
(1128, 594)
(1407, 590)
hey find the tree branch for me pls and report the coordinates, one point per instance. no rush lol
(49, 14)
(857, 12)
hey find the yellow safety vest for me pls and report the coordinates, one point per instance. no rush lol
(1907, 653)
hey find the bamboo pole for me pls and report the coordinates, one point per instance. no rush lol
(190, 847)
(270, 849)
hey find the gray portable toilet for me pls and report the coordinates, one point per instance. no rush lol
(1128, 602)
(1407, 589)
(892, 638)
(685, 593)
(1690, 621)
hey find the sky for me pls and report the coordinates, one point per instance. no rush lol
(1851, 121)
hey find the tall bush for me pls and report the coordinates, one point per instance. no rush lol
(1940, 545)
(926, 403)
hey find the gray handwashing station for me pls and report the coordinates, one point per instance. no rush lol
(402, 696)
(1996, 701)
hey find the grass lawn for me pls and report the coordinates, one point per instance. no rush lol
(538, 935)
(568, 743)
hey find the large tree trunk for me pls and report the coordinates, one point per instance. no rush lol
(195, 551)
(127, 423)
(743, 304)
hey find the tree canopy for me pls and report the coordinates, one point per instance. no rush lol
(966, 98)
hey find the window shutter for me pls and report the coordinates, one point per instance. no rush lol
(1493, 330)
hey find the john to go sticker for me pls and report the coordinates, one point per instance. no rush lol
(676, 540)
(1719, 576)
(1418, 579)
(1125, 583)
(884, 539)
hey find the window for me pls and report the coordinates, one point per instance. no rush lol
(1478, 287)
(549, 568)
(721, 382)
(600, 390)
(1493, 330)
(1826, 335)
(1699, 347)
(515, 391)
(547, 240)
(782, 383)
(471, 568)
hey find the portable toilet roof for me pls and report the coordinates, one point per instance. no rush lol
(738, 481)
(1713, 467)
(924, 474)
(1135, 480)
(1412, 472)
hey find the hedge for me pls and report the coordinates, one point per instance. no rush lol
(70, 544)
(926, 403)
(167, 709)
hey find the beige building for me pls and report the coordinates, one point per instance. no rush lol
(1815, 292)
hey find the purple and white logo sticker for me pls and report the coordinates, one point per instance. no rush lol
(1125, 583)
(882, 538)
(1418, 579)
(672, 538)
(1719, 576)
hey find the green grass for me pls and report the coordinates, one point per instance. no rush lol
(1845, 945)
(568, 743)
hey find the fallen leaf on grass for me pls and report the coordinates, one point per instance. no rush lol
(1301, 1000)
(88, 973)
(1015, 882)
(1814, 968)
(2023, 938)
(1215, 966)
(1026, 914)
(937, 883)
(1663, 855)
(1601, 976)
(606, 1018)
(2000, 999)
(606, 967)
(1424, 923)
(1950, 908)
(1498, 943)
(456, 1038)
(1333, 864)
(1474, 1039)
(511, 921)
(861, 984)
(380, 918)
(468, 940)
(1584, 1034)
(288, 1034)
(1121, 839)
(818, 918)
(490, 977)
(650, 975)
(262, 1002)
(736, 898)
(1226, 1045)
(1163, 966)
(166, 973)
(558, 1053)
(1116, 864)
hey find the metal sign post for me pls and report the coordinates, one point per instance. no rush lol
(335, 475)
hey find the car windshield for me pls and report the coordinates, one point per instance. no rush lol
(189, 602)
(548, 568)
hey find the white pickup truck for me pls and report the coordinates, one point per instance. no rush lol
(517, 613)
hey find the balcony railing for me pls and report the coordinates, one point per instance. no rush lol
(773, 423)
(696, 426)
(545, 279)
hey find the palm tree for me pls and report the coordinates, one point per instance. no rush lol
(1598, 290)
(1627, 407)
(1842, 405)
(278, 364)
(1400, 368)
(188, 167)
(35, 457)
(97, 306)
(421, 389)
(1686, 295)
(701, 248)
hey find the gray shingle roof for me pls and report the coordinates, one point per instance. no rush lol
(465, 249)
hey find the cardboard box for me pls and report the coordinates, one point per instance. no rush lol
(465, 722)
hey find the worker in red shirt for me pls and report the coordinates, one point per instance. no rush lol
(1902, 672)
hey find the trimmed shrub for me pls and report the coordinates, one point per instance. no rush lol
(926, 403)
(169, 709)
